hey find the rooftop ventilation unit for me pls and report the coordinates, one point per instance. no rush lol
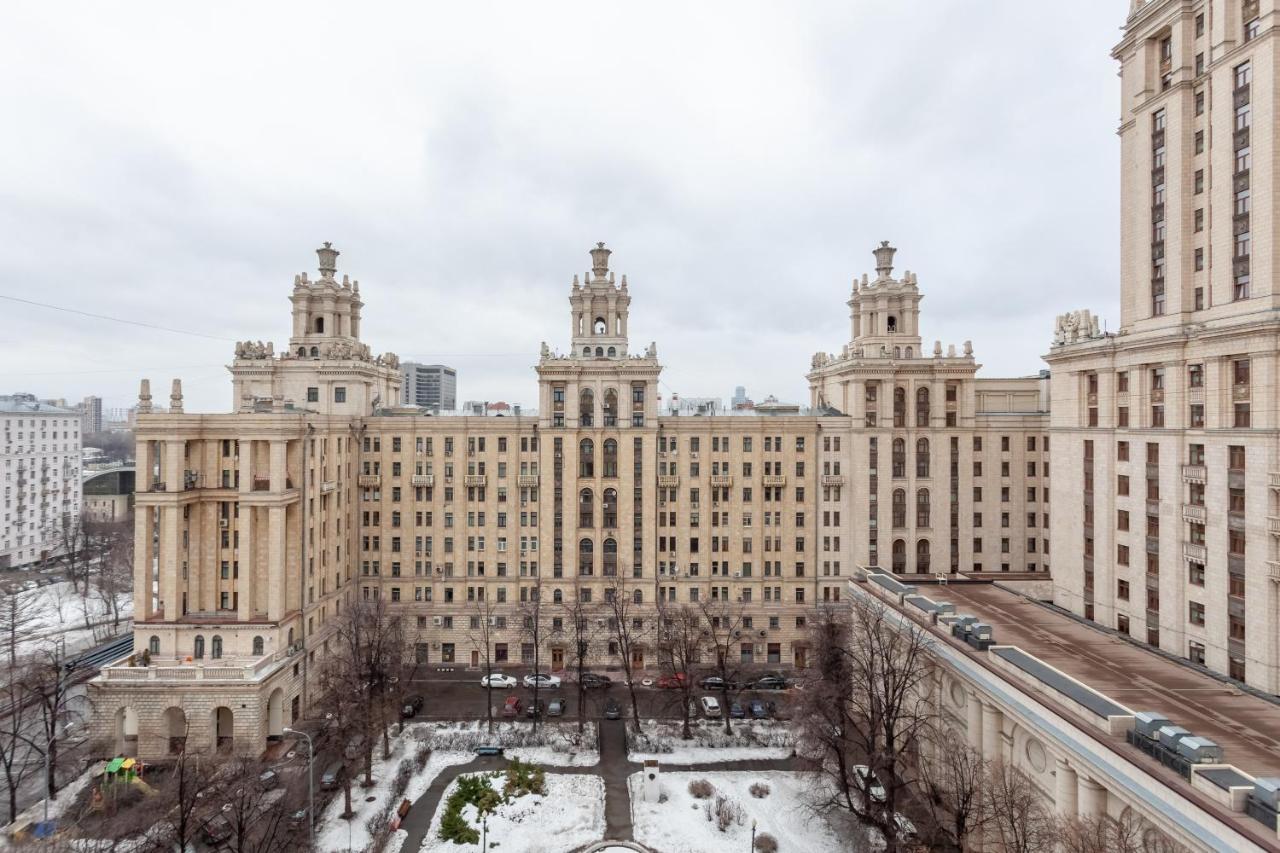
(1149, 723)
(1200, 750)
(1170, 735)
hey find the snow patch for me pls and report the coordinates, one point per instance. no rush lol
(569, 815)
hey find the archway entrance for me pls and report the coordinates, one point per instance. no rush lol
(126, 732)
(223, 729)
(175, 726)
(275, 715)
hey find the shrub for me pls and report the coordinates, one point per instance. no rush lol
(524, 778)
(759, 790)
(701, 789)
(726, 813)
(476, 790)
(404, 772)
(766, 843)
(420, 757)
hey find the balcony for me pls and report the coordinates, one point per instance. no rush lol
(668, 481)
(370, 481)
(1191, 512)
(1273, 480)
(527, 480)
(1194, 474)
(475, 480)
(328, 486)
(221, 669)
(261, 484)
(1192, 551)
(721, 480)
(1273, 569)
(423, 479)
(775, 480)
(833, 479)
(1273, 525)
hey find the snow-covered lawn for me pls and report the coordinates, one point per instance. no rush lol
(556, 744)
(333, 827)
(569, 815)
(58, 611)
(751, 739)
(680, 825)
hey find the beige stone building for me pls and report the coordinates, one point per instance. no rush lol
(1166, 468)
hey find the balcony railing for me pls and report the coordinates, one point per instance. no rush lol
(775, 480)
(475, 479)
(1273, 525)
(527, 480)
(1193, 474)
(667, 481)
(721, 480)
(1192, 551)
(833, 479)
(423, 479)
(370, 480)
(1191, 512)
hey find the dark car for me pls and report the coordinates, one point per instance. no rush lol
(555, 708)
(769, 682)
(715, 682)
(591, 680)
(612, 710)
(536, 708)
(759, 711)
(737, 711)
(412, 706)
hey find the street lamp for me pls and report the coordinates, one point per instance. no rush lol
(753, 836)
(311, 786)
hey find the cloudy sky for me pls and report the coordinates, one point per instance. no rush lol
(177, 164)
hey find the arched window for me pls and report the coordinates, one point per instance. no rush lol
(599, 352)
(922, 407)
(897, 352)
(290, 636)
(610, 405)
(586, 557)
(899, 457)
(922, 556)
(315, 352)
(586, 351)
(922, 457)
(198, 647)
(587, 458)
(610, 456)
(899, 556)
(922, 508)
(637, 597)
(302, 352)
(613, 351)
(258, 645)
(899, 407)
(899, 508)
(557, 597)
(600, 327)
(908, 351)
(586, 508)
(611, 508)
(610, 557)
(319, 325)
(586, 408)
(891, 324)
(153, 645)
(216, 651)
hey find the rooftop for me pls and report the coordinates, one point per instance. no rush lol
(28, 404)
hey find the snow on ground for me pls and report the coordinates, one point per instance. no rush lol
(570, 815)
(751, 739)
(333, 829)
(58, 611)
(555, 744)
(680, 824)
(67, 796)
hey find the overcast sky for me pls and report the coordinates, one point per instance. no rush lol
(178, 164)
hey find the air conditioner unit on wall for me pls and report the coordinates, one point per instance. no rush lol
(435, 620)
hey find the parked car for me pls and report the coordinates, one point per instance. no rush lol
(216, 830)
(737, 711)
(536, 708)
(512, 707)
(769, 682)
(672, 682)
(268, 779)
(329, 779)
(592, 679)
(488, 750)
(498, 680)
(555, 708)
(867, 780)
(412, 706)
(541, 680)
(710, 707)
(612, 710)
(758, 710)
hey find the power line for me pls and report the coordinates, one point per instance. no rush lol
(112, 370)
(113, 319)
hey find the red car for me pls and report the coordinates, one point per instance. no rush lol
(672, 682)
(512, 707)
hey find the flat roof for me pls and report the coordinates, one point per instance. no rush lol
(1245, 726)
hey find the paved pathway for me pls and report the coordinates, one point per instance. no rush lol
(613, 767)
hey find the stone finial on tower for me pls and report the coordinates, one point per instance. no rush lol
(884, 260)
(175, 398)
(600, 260)
(328, 260)
(144, 397)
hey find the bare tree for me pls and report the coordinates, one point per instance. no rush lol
(47, 682)
(682, 640)
(722, 619)
(1021, 820)
(1126, 833)
(257, 813)
(17, 744)
(186, 797)
(480, 635)
(626, 634)
(112, 582)
(580, 617)
(79, 548)
(954, 774)
(534, 630)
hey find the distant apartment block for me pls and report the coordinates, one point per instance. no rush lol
(40, 477)
(431, 386)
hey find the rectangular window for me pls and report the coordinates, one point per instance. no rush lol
(339, 394)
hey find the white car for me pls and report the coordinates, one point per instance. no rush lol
(498, 680)
(866, 779)
(541, 680)
(710, 707)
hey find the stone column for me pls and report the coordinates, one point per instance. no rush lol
(246, 554)
(1065, 790)
(143, 562)
(276, 572)
(975, 722)
(279, 467)
(170, 563)
(992, 732)
(1092, 798)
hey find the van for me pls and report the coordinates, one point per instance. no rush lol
(710, 707)
(329, 779)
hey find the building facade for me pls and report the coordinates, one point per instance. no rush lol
(40, 473)
(429, 386)
(1165, 432)
(91, 415)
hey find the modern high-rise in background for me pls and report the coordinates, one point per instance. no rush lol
(429, 386)
(739, 396)
(91, 415)
(40, 476)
